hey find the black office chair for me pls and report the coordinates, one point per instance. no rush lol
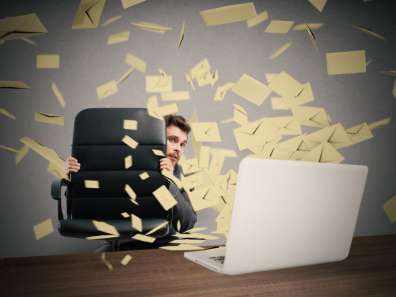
(97, 145)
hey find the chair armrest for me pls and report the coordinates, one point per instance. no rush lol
(56, 194)
(56, 188)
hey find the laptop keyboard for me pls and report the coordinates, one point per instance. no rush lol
(218, 259)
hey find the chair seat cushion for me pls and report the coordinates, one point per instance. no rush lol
(81, 228)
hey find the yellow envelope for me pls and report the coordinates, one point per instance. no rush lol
(390, 209)
(324, 153)
(144, 238)
(158, 83)
(47, 153)
(251, 89)
(58, 94)
(181, 247)
(144, 176)
(287, 125)
(279, 27)
(105, 228)
(21, 26)
(335, 134)
(131, 193)
(107, 89)
(111, 20)
(167, 109)
(13, 84)
(348, 62)
(125, 215)
(118, 37)
(47, 61)
(43, 229)
(129, 3)
(91, 184)
(88, 14)
(379, 123)
(222, 91)
(135, 62)
(158, 153)
(359, 133)
(311, 116)
(47, 118)
(181, 35)
(228, 14)
(285, 85)
(9, 149)
(206, 132)
(125, 75)
(303, 26)
(258, 19)
(156, 228)
(129, 141)
(136, 223)
(369, 32)
(164, 197)
(280, 51)
(318, 4)
(125, 260)
(176, 96)
(152, 27)
(130, 124)
(6, 113)
(128, 162)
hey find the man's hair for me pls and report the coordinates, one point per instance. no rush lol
(178, 121)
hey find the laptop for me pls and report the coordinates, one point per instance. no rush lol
(288, 214)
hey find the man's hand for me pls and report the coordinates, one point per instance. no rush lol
(166, 163)
(71, 165)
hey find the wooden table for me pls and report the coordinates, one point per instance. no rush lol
(370, 270)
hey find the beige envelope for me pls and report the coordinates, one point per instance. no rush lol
(21, 26)
(334, 134)
(13, 84)
(222, 91)
(206, 132)
(287, 125)
(285, 85)
(152, 27)
(359, 133)
(324, 153)
(311, 116)
(279, 27)
(47, 153)
(88, 14)
(135, 62)
(228, 14)
(159, 83)
(251, 89)
(47, 118)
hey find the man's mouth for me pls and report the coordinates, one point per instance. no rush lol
(174, 158)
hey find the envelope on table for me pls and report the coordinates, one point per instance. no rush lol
(311, 116)
(206, 132)
(324, 153)
(88, 14)
(21, 26)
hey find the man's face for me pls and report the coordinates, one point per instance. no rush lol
(177, 141)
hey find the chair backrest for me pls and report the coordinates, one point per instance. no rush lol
(98, 146)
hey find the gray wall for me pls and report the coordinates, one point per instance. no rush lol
(86, 62)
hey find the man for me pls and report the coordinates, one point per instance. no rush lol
(177, 130)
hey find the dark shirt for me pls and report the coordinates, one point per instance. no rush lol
(183, 211)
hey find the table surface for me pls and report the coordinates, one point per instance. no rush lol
(370, 270)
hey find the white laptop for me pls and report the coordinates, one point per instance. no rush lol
(288, 214)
